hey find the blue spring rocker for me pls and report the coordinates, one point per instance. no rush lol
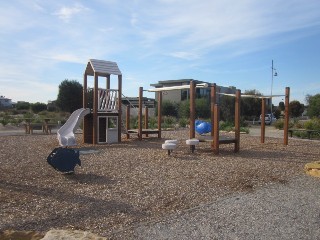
(202, 127)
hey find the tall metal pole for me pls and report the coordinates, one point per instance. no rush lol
(274, 74)
(271, 89)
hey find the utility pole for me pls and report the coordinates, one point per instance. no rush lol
(274, 74)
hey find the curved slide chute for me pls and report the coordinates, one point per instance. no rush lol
(66, 133)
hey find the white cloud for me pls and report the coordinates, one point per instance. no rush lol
(208, 25)
(151, 35)
(66, 13)
(185, 55)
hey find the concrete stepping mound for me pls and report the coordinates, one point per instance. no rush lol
(192, 142)
(170, 145)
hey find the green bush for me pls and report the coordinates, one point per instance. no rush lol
(5, 119)
(153, 122)
(183, 122)
(169, 122)
(134, 122)
(312, 124)
(169, 108)
(279, 124)
(226, 126)
(244, 129)
(184, 109)
(38, 107)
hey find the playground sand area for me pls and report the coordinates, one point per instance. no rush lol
(120, 186)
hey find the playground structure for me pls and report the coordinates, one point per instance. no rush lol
(103, 124)
(215, 139)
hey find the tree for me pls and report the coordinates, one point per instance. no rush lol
(227, 104)
(38, 107)
(313, 105)
(23, 106)
(296, 108)
(70, 95)
(281, 106)
(251, 107)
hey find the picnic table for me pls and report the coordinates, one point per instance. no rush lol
(45, 126)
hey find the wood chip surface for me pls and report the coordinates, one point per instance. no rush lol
(124, 184)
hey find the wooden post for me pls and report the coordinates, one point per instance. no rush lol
(262, 122)
(119, 104)
(146, 119)
(213, 99)
(159, 113)
(84, 105)
(237, 121)
(84, 91)
(286, 117)
(140, 114)
(192, 112)
(95, 109)
(128, 121)
(192, 108)
(108, 82)
(215, 142)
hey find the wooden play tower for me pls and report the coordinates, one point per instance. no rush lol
(103, 124)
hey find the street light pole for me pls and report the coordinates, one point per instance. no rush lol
(274, 73)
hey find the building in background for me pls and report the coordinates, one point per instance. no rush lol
(179, 95)
(5, 102)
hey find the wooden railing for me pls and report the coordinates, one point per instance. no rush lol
(108, 100)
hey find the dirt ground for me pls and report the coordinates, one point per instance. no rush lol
(124, 184)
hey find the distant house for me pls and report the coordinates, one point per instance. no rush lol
(183, 94)
(134, 102)
(5, 102)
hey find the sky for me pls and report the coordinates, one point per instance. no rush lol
(229, 42)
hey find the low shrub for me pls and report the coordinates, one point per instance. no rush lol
(183, 122)
(312, 124)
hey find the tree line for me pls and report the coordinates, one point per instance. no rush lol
(71, 92)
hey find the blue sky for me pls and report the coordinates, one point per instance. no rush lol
(230, 42)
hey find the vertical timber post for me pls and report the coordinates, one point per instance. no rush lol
(262, 122)
(237, 121)
(95, 110)
(213, 99)
(108, 82)
(119, 105)
(286, 117)
(215, 140)
(192, 111)
(85, 105)
(140, 114)
(146, 118)
(159, 113)
(128, 121)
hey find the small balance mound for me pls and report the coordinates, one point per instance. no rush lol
(170, 145)
(313, 168)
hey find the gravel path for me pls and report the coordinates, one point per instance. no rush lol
(277, 211)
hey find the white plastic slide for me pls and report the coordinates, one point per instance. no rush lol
(66, 133)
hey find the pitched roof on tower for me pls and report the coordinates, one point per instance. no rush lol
(102, 68)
